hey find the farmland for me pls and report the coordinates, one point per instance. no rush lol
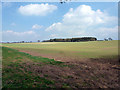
(60, 64)
(94, 49)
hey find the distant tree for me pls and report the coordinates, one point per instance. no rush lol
(105, 39)
(30, 41)
(38, 40)
(22, 41)
(110, 39)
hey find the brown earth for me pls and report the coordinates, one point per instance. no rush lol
(88, 73)
(61, 58)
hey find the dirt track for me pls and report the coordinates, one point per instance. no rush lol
(55, 57)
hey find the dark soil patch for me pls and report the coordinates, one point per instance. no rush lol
(76, 74)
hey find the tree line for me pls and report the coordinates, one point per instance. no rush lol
(66, 40)
(72, 39)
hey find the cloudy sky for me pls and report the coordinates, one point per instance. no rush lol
(40, 21)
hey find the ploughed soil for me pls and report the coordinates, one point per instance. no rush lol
(87, 73)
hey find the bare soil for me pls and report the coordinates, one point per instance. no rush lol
(61, 58)
(87, 73)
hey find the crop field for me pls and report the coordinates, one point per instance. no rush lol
(94, 49)
(60, 65)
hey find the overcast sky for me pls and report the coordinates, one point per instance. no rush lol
(40, 21)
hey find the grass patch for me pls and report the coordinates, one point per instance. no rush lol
(15, 73)
(86, 84)
(65, 86)
(9, 55)
(67, 77)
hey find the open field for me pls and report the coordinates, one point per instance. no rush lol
(75, 50)
(75, 65)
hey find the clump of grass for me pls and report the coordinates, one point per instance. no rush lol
(65, 86)
(46, 75)
(86, 84)
(18, 58)
(67, 77)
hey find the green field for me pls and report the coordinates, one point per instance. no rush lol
(26, 70)
(17, 73)
(94, 49)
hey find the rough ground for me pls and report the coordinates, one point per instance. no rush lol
(23, 70)
(90, 73)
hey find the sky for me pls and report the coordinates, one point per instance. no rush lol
(30, 21)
